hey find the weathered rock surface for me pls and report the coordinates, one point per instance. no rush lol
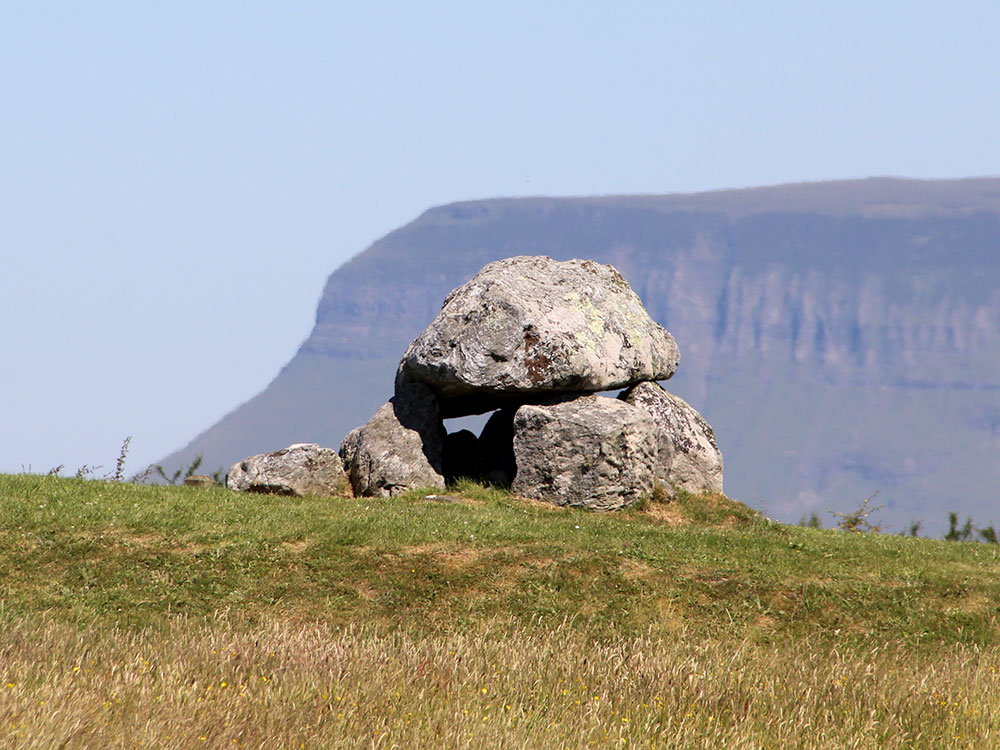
(689, 458)
(399, 448)
(592, 452)
(531, 325)
(301, 469)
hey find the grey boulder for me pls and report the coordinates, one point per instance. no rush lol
(200, 480)
(301, 469)
(592, 452)
(528, 326)
(690, 458)
(400, 448)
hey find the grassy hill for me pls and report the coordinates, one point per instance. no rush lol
(178, 617)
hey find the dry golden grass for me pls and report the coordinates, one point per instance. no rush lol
(171, 617)
(215, 685)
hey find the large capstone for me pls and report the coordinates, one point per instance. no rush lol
(690, 458)
(400, 448)
(592, 452)
(526, 327)
(301, 469)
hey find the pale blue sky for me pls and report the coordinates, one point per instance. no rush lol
(177, 179)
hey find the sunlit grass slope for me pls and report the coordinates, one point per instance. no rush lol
(179, 617)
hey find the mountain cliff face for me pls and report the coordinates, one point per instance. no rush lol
(842, 338)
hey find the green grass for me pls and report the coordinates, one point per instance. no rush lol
(114, 575)
(134, 556)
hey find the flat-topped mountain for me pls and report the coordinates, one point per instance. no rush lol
(842, 338)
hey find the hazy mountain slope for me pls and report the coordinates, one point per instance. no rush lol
(842, 338)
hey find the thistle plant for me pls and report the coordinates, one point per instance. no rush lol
(857, 519)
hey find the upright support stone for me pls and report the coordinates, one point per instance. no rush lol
(592, 452)
(400, 448)
(690, 457)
